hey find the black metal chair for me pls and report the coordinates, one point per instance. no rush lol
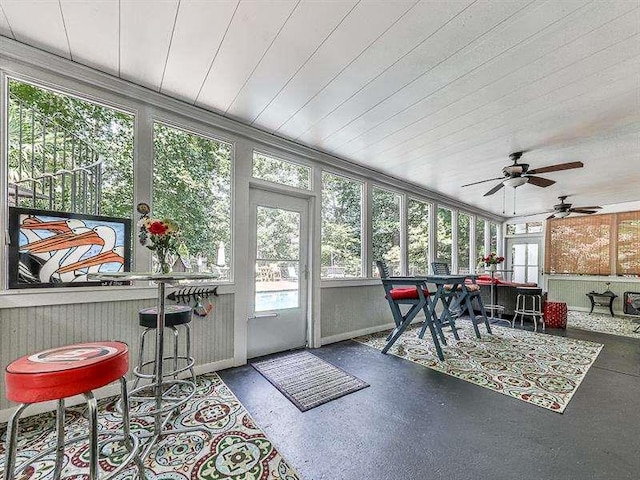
(415, 294)
(462, 299)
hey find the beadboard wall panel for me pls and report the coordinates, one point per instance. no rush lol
(353, 309)
(28, 330)
(573, 291)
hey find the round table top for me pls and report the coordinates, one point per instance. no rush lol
(152, 276)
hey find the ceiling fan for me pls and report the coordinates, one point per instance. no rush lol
(563, 209)
(518, 174)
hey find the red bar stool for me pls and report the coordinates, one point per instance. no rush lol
(60, 373)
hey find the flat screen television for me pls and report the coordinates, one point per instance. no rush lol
(59, 249)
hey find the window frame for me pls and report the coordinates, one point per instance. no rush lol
(192, 128)
(363, 249)
(283, 157)
(402, 211)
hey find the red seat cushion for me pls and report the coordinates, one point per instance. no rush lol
(65, 371)
(407, 293)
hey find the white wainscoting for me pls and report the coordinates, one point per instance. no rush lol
(30, 329)
(573, 290)
(349, 311)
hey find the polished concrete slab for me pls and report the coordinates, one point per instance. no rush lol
(416, 423)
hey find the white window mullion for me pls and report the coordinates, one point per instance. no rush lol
(367, 233)
(454, 241)
(404, 221)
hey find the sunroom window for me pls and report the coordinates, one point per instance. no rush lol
(67, 154)
(276, 170)
(418, 236)
(385, 229)
(192, 186)
(444, 236)
(341, 227)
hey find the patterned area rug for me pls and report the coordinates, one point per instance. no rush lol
(623, 326)
(306, 380)
(540, 369)
(233, 449)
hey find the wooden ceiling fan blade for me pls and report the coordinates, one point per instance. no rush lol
(482, 181)
(494, 189)
(551, 216)
(540, 181)
(589, 208)
(581, 210)
(557, 168)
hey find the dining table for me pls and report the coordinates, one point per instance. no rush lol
(167, 394)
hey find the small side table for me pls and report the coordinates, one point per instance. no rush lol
(604, 299)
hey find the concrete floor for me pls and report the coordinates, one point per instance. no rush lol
(415, 423)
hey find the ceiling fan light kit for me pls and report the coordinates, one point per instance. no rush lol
(562, 209)
(515, 181)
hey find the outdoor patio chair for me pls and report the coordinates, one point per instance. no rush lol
(414, 294)
(462, 300)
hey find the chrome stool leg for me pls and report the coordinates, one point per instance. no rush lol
(12, 438)
(59, 439)
(175, 351)
(189, 359)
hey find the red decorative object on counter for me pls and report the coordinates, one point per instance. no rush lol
(555, 314)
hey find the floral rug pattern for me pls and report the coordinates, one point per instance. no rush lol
(536, 368)
(232, 448)
(623, 326)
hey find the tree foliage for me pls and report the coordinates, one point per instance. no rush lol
(341, 225)
(61, 131)
(192, 186)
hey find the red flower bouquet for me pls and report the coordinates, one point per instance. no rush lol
(161, 237)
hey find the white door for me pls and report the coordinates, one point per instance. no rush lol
(279, 258)
(524, 257)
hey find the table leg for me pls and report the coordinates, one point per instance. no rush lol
(159, 356)
(611, 306)
(593, 303)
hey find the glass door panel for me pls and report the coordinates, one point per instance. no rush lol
(277, 284)
(524, 260)
(278, 262)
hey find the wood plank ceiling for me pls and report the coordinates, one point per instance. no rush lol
(435, 92)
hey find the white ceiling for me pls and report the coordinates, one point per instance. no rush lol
(436, 92)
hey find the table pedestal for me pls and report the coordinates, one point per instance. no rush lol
(167, 395)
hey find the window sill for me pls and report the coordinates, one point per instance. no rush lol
(593, 278)
(349, 282)
(37, 297)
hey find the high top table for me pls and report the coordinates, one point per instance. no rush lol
(450, 298)
(158, 383)
(493, 295)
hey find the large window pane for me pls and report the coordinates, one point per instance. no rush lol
(281, 171)
(464, 238)
(480, 249)
(493, 237)
(385, 228)
(68, 154)
(443, 237)
(418, 236)
(192, 185)
(341, 227)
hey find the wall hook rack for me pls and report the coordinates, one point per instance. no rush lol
(185, 295)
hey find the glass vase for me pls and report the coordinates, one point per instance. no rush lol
(162, 263)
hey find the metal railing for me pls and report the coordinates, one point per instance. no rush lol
(50, 167)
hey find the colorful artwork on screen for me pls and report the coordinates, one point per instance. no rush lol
(62, 249)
